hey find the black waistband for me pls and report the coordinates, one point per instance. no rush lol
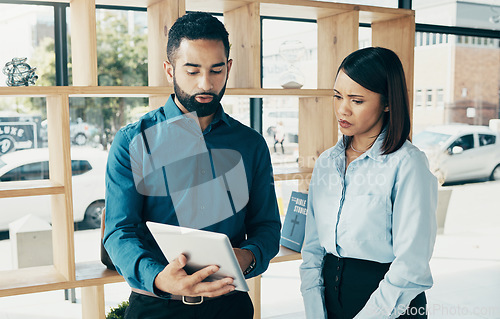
(361, 264)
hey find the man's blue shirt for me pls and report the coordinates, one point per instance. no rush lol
(136, 193)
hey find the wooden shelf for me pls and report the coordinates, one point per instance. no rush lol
(30, 188)
(296, 173)
(31, 280)
(145, 91)
(94, 273)
(286, 254)
(47, 278)
(300, 9)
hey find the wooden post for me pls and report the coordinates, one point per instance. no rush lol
(83, 42)
(161, 16)
(317, 131)
(60, 172)
(399, 36)
(93, 302)
(337, 37)
(254, 284)
(243, 25)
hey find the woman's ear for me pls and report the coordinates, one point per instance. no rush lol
(386, 108)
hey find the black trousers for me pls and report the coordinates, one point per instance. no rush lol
(236, 305)
(349, 284)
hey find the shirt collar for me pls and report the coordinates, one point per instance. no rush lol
(375, 152)
(172, 112)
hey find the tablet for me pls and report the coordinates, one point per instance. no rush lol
(202, 248)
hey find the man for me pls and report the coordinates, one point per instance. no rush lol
(188, 163)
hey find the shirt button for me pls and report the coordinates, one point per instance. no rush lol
(335, 288)
(338, 267)
(336, 278)
(202, 207)
(202, 171)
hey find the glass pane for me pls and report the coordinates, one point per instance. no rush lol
(22, 123)
(486, 139)
(238, 108)
(289, 54)
(459, 79)
(27, 31)
(378, 3)
(122, 47)
(364, 37)
(483, 14)
(280, 128)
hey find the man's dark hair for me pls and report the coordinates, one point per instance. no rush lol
(380, 70)
(196, 26)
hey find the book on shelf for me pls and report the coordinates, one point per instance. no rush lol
(294, 226)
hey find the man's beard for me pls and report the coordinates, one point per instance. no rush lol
(201, 109)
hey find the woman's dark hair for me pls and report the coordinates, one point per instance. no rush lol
(195, 26)
(380, 70)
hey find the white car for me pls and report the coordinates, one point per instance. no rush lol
(88, 170)
(461, 152)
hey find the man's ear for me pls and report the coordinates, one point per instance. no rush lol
(169, 71)
(229, 65)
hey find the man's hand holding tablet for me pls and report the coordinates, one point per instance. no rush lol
(174, 280)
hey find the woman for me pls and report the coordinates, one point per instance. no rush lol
(371, 222)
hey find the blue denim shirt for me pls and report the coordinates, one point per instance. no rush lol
(253, 223)
(382, 208)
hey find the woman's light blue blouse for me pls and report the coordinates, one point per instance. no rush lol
(381, 209)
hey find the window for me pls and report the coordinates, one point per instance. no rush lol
(418, 98)
(289, 53)
(79, 167)
(32, 171)
(440, 98)
(428, 98)
(28, 31)
(466, 142)
(122, 47)
(486, 139)
(40, 170)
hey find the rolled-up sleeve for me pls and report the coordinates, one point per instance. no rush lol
(414, 199)
(312, 287)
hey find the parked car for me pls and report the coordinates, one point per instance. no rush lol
(88, 170)
(461, 152)
(80, 132)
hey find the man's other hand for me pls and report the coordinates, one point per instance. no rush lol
(244, 256)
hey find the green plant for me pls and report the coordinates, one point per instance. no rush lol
(118, 312)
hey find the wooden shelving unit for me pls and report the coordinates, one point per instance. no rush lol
(337, 36)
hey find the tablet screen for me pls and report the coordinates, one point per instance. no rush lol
(202, 248)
